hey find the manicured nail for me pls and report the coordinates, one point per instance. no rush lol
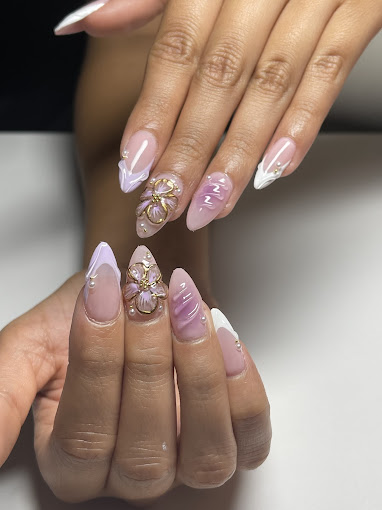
(274, 162)
(66, 26)
(157, 204)
(137, 160)
(229, 341)
(209, 200)
(144, 291)
(186, 307)
(102, 292)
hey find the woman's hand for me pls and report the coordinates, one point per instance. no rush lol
(110, 423)
(274, 68)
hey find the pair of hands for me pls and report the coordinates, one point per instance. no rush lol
(273, 68)
(115, 421)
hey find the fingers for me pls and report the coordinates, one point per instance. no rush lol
(340, 46)
(144, 462)
(74, 457)
(183, 33)
(219, 79)
(248, 401)
(108, 17)
(24, 370)
(268, 94)
(207, 449)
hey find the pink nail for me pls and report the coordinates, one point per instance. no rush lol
(274, 163)
(137, 160)
(144, 291)
(102, 292)
(209, 200)
(229, 341)
(157, 204)
(186, 307)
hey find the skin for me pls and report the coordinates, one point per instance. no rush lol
(84, 446)
(273, 68)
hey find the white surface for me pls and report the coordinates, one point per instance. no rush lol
(302, 271)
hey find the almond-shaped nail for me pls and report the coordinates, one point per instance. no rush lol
(157, 204)
(209, 200)
(144, 291)
(275, 162)
(102, 292)
(137, 160)
(186, 307)
(68, 24)
(230, 344)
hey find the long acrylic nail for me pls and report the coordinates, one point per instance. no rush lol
(137, 160)
(67, 25)
(230, 344)
(157, 204)
(102, 292)
(209, 200)
(274, 163)
(144, 291)
(186, 307)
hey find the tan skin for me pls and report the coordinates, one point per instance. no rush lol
(35, 348)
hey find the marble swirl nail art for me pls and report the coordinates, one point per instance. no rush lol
(209, 200)
(144, 289)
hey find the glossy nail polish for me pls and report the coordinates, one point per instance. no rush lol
(209, 200)
(186, 307)
(137, 160)
(102, 292)
(144, 291)
(157, 204)
(230, 344)
(274, 163)
(66, 26)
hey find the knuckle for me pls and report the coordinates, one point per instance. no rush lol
(85, 446)
(149, 366)
(253, 439)
(94, 362)
(273, 77)
(145, 471)
(327, 66)
(242, 146)
(177, 44)
(305, 110)
(210, 471)
(189, 145)
(204, 386)
(223, 67)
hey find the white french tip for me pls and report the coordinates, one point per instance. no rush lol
(221, 321)
(80, 14)
(264, 179)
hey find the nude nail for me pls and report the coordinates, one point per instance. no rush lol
(102, 292)
(230, 344)
(67, 25)
(275, 162)
(144, 291)
(158, 203)
(209, 200)
(186, 307)
(137, 160)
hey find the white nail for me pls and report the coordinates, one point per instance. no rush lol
(80, 14)
(274, 162)
(221, 321)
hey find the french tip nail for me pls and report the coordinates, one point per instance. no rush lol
(103, 254)
(233, 356)
(76, 16)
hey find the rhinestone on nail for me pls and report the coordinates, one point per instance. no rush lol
(203, 319)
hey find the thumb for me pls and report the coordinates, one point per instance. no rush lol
(108, 17)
